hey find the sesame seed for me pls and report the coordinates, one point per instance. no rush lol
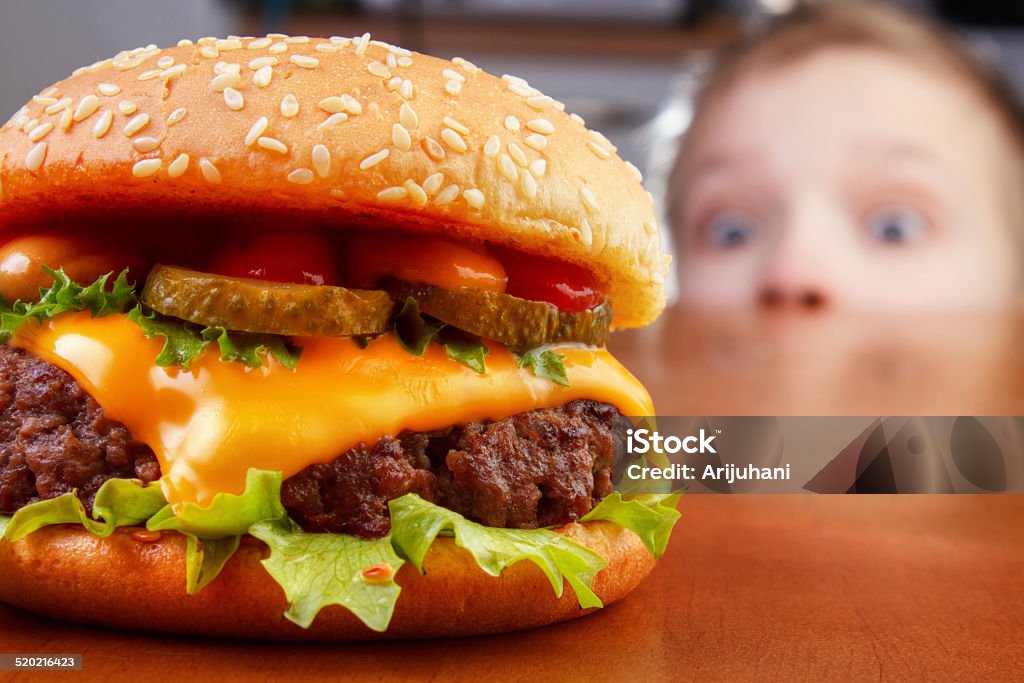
(522, 90)
(453, 87)
(261, 62)
(147, 75)
(259, 43)
(528, 186)
(257, 129)
(407, 116)
(393, 84)
(173, 72)
(466, 64)
(538, 167)
(277, 36)
(297, 40)
(228, 44)
(20, 120)
(261, 79)
(603, 140)
(453, 139)
(342, 41)
(178, 166)
(39, 132)
(327, 47)
(379, 70)
(352, 105)
(374, 159)
(272, 144)
(447, 195)
(512, 124)
(537, 141)
(635, 171)
(184, 42)
(404, 61)
(233, 99)
(400, 137)
(145, 144)
(542, 126)
(146, 167)
(589, 200)
(277, 48)
(227, 68)
(210, 172)
(453, 75)
(361, 44)
(108, 89)
(393, 194)
(391, 61)
(209, 51)
(224, 81)
(492, 146)
(432, 183)
(433, 149)
(52, 92)
(599, 150)
(406, 90)
(66, 119)
(135, 124)
(455, 125)
(86, 107)
(59, 105)
(507, 167)
(416, 193)
(28, 124)
(474, 198)
(45, 101)
(332, 105)
(578, 119)
(304, 61)
(321, 160)
(102, 125)
(35, 157)
(127, 107)
(289, 106)
(301, 176)
(333, 120)
(399, 51)
(540, 102)
(517, 153)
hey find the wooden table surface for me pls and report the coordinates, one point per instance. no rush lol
(797, 587)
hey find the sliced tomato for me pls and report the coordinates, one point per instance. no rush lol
(567, 286)
(301, 257)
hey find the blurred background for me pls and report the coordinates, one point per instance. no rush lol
(614, 63)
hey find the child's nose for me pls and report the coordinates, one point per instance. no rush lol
(799, 272)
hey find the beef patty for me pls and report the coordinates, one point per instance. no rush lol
(544, 467)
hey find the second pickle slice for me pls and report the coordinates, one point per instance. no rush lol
(520, 324)
(266, 307)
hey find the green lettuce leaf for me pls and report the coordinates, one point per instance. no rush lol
(228, 514)
(545, 364)
(650, 517)
(119, 502)
(415, 524)
(247, 348)
(182, 342)
(66, 296)
(205, 558)
(317, 570)
(4, 521)
(412, 331)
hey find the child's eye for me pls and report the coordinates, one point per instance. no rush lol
(730, 230)
(897, 226)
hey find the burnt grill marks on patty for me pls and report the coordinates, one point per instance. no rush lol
(544, 467)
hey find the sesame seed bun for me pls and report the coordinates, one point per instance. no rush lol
(65, 572)
(344, 132)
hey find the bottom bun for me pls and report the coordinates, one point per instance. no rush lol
(67, 573)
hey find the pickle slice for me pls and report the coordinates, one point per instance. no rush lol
(266, 307)
(520, 324)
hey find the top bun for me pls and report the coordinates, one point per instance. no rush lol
(342, 131)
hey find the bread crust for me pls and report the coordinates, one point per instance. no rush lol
(540, 181)
(64, 572)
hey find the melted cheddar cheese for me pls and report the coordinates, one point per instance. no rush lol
(210, 424)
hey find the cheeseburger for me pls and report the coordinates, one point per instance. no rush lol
(304, 338)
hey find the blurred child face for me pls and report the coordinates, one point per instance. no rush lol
(850, 179)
